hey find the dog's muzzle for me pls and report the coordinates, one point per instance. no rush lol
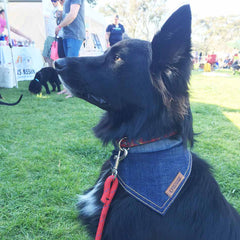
(59, 64)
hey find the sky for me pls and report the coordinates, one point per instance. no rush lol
(199, 8)
(204, 8)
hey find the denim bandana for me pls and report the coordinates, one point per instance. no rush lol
(155, 173)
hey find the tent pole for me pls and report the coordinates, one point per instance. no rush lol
(10, 42)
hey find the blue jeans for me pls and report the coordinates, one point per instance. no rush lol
(71, 47)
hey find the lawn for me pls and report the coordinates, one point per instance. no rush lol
(48, 154)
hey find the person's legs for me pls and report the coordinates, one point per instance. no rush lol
(47, 50)
(61, 53)
(49, 61)
(72, 47)
(65, 46)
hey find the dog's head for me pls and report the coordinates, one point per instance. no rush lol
(35, 86)
(143, 86)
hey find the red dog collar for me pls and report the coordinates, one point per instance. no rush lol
(126, 144)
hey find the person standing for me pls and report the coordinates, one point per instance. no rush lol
(50, 25)
(114, 32)
(61, 53)
(73, 25)
(3, 25)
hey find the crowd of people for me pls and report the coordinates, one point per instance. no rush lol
(232, 62)
(216, 61)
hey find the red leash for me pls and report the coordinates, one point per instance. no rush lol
(110, 188)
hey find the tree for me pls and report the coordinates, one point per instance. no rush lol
(141, 18)
(214, 34)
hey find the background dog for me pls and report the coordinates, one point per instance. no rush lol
(47, 74)
(143, 87)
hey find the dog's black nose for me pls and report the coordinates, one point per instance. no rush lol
(59, 64)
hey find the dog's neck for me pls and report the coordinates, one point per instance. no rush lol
(110, 129)
(159, 145)
(125, 143)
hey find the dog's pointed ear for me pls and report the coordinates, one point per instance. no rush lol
(171, 46)
(172, 62)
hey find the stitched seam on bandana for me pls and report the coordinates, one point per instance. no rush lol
(145, 203)
(169, 199)
(183, 183)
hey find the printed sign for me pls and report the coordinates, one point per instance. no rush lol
(28, 61)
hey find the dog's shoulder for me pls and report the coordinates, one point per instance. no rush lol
(202, 172)
(202, 183)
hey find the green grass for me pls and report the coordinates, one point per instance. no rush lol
(48, 154)
(215, 101)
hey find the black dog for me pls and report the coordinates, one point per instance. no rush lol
(165, 191)
(10, 104)
(47, 74)
(235, 67)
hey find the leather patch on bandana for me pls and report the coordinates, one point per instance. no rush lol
(174, 185)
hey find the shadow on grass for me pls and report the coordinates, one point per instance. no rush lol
(218, 143)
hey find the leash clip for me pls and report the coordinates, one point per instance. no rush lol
(122, 153)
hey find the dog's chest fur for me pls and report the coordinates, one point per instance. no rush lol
(90, 206)
(89, 203)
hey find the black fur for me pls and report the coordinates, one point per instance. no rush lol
(47, 74)
(144, 89)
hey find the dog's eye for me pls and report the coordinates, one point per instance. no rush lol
(117, 58)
